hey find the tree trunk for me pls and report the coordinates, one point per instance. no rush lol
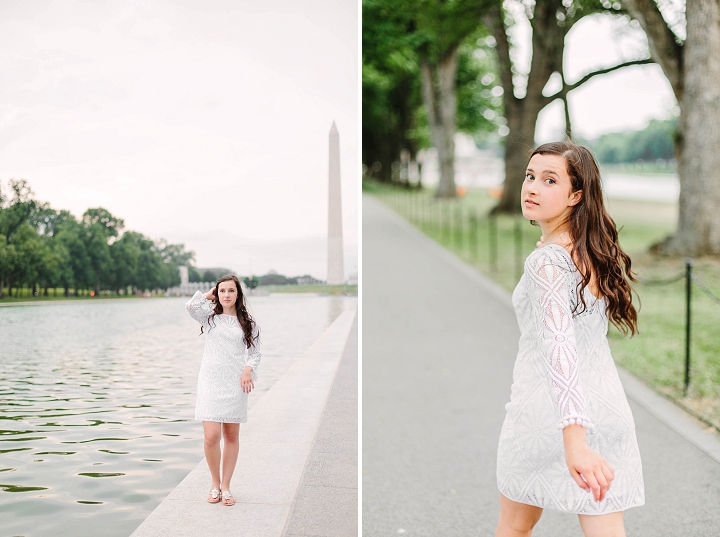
(519, 143)
(438, 88)
(698, 231)
(2, 288)
(548, 41)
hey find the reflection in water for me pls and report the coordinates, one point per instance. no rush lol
(97, 404)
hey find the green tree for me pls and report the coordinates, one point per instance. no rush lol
(423, 67)
(16, 210)
(100, 226)
(77, 272)
(29, 254)
(251, 283)
(655, 142)
(151, 273)
(193, 274)
(125, 253)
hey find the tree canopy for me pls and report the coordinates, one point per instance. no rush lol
(654, 142)
(44, 248)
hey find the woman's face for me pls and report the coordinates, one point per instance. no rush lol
(227, 293)
(547, 190)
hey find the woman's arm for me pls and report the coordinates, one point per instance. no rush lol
(553, 317)
(197, 307)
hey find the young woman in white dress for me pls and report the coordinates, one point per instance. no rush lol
(568, 440)
(227, 376)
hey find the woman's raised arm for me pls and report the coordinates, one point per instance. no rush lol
(198, 308)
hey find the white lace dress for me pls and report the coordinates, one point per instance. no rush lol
(563, 372)
(219, 394)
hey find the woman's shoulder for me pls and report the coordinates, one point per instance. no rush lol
(550, 255)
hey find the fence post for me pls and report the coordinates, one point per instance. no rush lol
(492, 228)
(518, 249)
(458, 227)
(448, 212)
(472, 235)
(688, 303)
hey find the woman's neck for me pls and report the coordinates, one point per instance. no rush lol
(554, 233)
(229, 310)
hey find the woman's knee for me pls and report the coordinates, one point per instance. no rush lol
(518, 517)
(212, 436)
(231, 432)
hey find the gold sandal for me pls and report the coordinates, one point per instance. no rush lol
(228, 497)
(214, 496)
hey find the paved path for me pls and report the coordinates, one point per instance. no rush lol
(291, 465)
(326, 503)
(439, 344)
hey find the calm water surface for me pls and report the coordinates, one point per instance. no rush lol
(97, 404)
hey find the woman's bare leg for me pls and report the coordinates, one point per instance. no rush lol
(212, 450)
(610, 525)
(516, 519)
(231, 446)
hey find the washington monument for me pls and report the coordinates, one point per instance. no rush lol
(336, 272)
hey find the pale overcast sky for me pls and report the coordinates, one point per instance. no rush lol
(623, 100)
(204, 122)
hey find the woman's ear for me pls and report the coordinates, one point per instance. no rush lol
(575, 198)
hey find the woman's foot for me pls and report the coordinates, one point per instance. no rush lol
(227, 498)
(214, 496)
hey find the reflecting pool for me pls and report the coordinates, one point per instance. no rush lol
(97, 404)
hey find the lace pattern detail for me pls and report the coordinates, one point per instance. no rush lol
(563, 373)
(550, 298)
(219, 393)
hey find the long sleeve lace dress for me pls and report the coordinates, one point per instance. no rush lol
(564, 374)
(219, 394)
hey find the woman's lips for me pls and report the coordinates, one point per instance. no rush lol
(530, 202)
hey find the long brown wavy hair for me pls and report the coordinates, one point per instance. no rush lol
(596, 250)
(247, 323)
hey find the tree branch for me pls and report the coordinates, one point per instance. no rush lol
(567, 88)
(664, 47)
(495, 23)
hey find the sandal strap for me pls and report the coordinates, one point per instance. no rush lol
(214, 493)
(226, 494)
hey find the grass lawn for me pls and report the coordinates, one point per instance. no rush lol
(26, 296)
(498, 247)
(311, 288)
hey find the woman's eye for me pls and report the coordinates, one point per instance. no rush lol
(550, 181)
(529, 177)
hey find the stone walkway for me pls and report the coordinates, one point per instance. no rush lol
(439, 344)
(296, 461)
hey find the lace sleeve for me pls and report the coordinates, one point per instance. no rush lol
(550, 299)
(253, 357)
(198, 309)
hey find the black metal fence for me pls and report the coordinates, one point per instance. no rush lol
(689, 278)
(482, 238)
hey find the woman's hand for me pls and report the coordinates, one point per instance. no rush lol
(246, 381)
(210, 295)
(588, 468)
